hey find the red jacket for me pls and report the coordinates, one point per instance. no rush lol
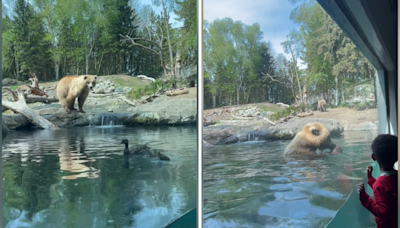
(384, 205)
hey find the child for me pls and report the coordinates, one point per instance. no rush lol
(384, 205)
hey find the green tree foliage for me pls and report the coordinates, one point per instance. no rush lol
(236, 60)
(239, 67)
(188, 33)
(29, 41)
(54, 38)
(334, 64)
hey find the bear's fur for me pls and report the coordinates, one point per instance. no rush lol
(313, 137)
(71, 87)
(321, 105)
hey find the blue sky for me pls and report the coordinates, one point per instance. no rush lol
(159, 10)
(272, 15)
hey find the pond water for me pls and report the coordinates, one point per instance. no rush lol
(80, 178)
(253, 185)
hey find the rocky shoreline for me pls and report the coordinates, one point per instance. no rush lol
(228, 134)
(108, 105)
(161, 112)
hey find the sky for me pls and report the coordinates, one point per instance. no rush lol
(272, 15)
(158, 9)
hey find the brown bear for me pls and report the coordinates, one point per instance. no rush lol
(321, 105)
(313, 137)
(71, 87)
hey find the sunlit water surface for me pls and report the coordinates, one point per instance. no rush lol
(253, 185)
(80, 178)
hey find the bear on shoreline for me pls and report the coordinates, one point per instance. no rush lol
(313, 137)
(71, 87)
(321, 105)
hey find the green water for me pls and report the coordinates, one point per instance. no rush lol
(80, 178)
(253, 185)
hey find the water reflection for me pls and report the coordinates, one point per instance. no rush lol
(253, 185)
(81, 178)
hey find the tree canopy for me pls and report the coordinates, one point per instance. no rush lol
(240, 66)
(54, 38)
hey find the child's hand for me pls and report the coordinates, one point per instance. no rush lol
(361, 190)
(369, 172)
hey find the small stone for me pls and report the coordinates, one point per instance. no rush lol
(110, 110)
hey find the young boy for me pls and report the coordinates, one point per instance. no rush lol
(384, 205)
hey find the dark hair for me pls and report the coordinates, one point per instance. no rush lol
(384, 148)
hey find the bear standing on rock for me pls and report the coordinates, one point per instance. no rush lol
(71, 87)
(312, 137)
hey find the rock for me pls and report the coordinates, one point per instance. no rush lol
(296, 124)
(15, 121)
(286, 131)
(170, 111)
(5, 130)
(159, 112)
(118, 90)
(98, 90)
(110, 89)
(127, 89)
(218, 136)
(9, 82)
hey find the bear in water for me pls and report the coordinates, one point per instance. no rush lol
(313, 137)
(71, 87)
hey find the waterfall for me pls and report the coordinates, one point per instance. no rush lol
(109, 119)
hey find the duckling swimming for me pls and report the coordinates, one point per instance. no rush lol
(143, 150)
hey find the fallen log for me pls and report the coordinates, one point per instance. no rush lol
(127, 101)
(21, 107)
(177, 92)
(144, 77)
(306, 114)
(46, 100)
(269, 121)
(37, 91)
(282, 104)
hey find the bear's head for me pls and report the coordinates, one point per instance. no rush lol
(312, 137)
(321, 137)
(90, 81)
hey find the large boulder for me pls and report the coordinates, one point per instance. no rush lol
(219, 135)
(169, 111)
(9, 82)
(5, 130)
(296, 124)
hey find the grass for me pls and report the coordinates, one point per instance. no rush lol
(151, 88)
(286, 112)
(270, 108)
(125, 81)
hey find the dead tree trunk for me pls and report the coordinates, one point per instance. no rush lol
(21, 107)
